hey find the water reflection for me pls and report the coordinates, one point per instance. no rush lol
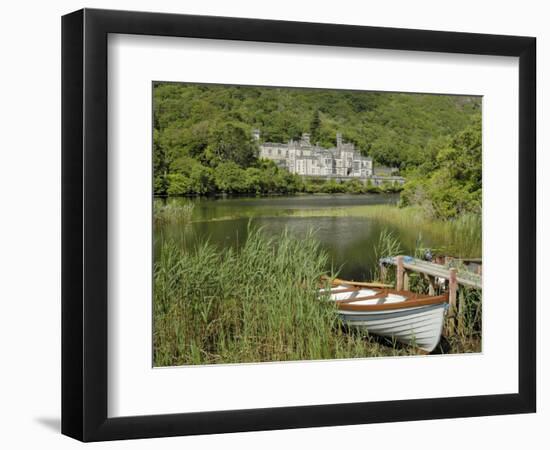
(349, 241)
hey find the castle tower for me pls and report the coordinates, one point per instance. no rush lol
(305, 139)
(256, 134)
(339, 140)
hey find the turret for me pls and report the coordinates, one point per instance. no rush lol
(339, 140)
(256, 134)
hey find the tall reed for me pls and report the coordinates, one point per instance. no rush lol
(388, 245)
(459, 237)
(258, 303)
(467, 325)
(172, 211)
(466, 335)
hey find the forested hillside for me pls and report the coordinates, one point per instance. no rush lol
(203, 142)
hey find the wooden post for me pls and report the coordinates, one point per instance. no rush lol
(400, 272)
(431, 285)
(460, 315)
(405, 280)
(383, 272)
(453, 289)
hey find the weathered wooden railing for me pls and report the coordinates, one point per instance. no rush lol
(431, 271)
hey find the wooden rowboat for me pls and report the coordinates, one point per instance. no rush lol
(405, 316)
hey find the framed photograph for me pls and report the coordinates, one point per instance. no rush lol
(273, 224)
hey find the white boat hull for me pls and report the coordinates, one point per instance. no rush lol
(420, 326)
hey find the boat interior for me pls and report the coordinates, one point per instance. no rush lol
(360, 296)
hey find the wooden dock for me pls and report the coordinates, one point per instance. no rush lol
(431, 272)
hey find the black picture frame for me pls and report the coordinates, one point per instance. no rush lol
(84, 224)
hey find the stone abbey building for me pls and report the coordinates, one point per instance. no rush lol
(303, 158)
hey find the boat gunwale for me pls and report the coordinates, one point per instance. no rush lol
(412, 299)
(356, 299)
(416, 301)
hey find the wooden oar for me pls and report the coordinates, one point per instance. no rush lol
(367, 297)
(362, 283)
(342, 291)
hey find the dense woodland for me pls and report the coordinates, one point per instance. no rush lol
(203, 141)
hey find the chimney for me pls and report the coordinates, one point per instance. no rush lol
(338, 139)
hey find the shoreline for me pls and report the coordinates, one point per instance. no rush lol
(272, 194)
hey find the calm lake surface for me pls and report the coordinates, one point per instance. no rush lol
(349, 241)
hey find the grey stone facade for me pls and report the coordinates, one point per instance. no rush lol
(303, 158)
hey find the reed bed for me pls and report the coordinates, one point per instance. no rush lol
(466, 326)
(255, 304)
(172, 212)
(462, 333)
(259, 302)
(388, 245)
(460, 237)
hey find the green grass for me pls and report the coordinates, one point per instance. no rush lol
(258, 303)
(172, 212)
(465, 336)
(461, 237)
(388, 245)
(462, 333)
(252, 305)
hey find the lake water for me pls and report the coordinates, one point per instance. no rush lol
(349, 241)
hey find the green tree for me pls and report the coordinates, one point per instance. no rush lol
(230, 178)
(451, 184)
(160, 166)
(178, 184)
(417, 133)
(254, 180)
(202, 180)
(355, 187)
(231, 142)
(315, 127)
